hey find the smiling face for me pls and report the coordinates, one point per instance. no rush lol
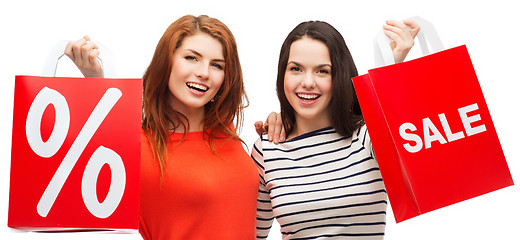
(308, 83)
(197, 73)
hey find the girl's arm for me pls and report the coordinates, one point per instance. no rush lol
(84, 54)
(264, 210)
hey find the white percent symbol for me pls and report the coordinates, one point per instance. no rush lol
(100, 157)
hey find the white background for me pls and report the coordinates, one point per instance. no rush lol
(29, 29)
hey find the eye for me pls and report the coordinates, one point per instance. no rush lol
(295, 69)
(190, 58)
(217, 66)
(323, 71)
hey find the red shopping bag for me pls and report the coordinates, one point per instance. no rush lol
(432, 132)
(75, 155)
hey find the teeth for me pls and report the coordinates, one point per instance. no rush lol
(308, 96)
(198, 87)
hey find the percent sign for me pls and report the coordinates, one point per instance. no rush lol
(100, 157)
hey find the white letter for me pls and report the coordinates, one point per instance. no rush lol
(466, 121)
(428, 139)
(451, 136)
(410, 137)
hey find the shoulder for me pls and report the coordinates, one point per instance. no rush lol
(145, 143)
(143, 135)
(258, 146)
(257, 151)
(362, 134)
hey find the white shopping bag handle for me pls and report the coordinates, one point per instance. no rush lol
(107, 62)
(383, 53)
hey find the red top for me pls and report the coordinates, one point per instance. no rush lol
(203, 195)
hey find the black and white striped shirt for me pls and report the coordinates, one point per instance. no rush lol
(320, 185)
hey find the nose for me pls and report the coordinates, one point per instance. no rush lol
(308, 81)
(202, 72)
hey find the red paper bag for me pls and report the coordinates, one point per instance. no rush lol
(432, 132)
(75, 155)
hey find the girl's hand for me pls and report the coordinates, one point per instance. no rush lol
(401, 36)
(273, 126)
(84, 54)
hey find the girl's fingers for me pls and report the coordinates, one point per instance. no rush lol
(87, 51)
(92, 57)
(259, 127)
(270, 122)
(398, 24)
(73, 47)
(68, 50)
(414, 27)
(400, 30)
(76, 50)
(401, 36)
(278, 130)
(84, 54)
(395, 39)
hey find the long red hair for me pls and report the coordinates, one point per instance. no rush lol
(158, 115)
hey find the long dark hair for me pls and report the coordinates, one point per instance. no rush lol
(344, 108)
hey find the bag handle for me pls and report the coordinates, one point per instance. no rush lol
(383, 53)
(51, 64)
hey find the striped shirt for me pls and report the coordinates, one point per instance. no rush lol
(320, 185)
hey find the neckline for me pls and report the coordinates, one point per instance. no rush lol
(176, 136)
(309, 134)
